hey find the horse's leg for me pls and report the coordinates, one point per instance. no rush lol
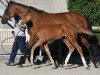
(72, 37)
(31, 58)
(49, 55)
(96, 53)
(86, 43)
(38, 43)
(79, 49)
(71, 49)
(90, 49)
(32, 41)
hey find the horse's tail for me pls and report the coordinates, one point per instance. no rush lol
(88, 32)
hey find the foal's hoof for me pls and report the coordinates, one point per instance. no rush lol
(64, 66)
(96, 66)
(88, 68)
(54, 67)
(32, 64)
(20, 66)
(60, 65)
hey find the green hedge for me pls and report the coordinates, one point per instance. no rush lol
(96, 31)
(89, 8)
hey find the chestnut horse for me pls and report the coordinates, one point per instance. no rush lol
(47, 31)
(77, 21)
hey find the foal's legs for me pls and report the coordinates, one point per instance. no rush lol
(90, 48)
(49, 55)
(79, 49)
(39, 42)
(32, 41)
(71, 49)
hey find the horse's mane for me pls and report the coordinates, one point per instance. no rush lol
(30, 7)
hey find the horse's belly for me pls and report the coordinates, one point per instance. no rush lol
(54, 35)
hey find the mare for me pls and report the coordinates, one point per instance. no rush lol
(77, 21)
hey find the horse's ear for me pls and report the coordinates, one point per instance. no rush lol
(8, 2)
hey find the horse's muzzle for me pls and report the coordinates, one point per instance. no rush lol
(3, 21)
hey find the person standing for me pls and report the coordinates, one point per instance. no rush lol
(19, 43)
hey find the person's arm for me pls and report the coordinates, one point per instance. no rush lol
(21, 26)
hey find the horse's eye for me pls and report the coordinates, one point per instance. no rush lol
(7, 10)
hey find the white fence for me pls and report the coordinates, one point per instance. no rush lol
(7, 33)
(4, 34)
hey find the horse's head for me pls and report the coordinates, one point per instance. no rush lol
(8, 13)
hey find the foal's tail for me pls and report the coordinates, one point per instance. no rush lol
(88, 32)
(92, 38)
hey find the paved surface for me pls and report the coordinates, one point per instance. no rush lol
(44, 69)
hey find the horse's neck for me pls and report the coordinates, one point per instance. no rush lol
(20, 10)
(37, 21)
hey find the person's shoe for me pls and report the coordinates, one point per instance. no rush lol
(10, 63)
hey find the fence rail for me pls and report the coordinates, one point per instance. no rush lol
(6, 33)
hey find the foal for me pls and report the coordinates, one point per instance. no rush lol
(46, 32)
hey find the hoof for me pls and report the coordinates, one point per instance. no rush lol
(49, 63)
(32, 64)
(64, 66)
(54, 67)
(88, 68)
(20, 66)
(96, 66)
(60, 65)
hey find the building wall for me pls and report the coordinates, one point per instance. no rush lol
(47, 5)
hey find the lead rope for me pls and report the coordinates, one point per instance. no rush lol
(3, 42)
(7, 39)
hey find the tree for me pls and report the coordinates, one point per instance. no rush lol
(89, 8)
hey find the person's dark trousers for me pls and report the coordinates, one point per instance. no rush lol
(18, 44)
